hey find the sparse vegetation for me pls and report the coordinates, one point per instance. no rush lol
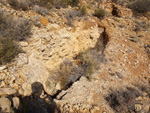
(141, 25)
(100, 13)
(18, 29)
(8, 50)
(70, 16)
(147, 48)
(123, 101)
(41, 10)
(140, 6)
(68, 73)
(11, 32)
(83, 10)
(85, 64)
(90, 61)
(25, 4)
(20, 4)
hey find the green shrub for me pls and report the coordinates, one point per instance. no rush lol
(100, 13)
(8, 50)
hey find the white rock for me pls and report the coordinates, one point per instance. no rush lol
(3, 67)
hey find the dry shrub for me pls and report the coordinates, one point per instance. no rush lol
(100, 13)
(123, 101)
(20, 4)
(65, 3)
(83, 10)
(44, 3)
(140, 6)
(41, 10)
(90, 61)
(4, 2)
(22, 29)
(18, 29)
(70, 15)
(68, 73)
(8, 50)
(147, 48)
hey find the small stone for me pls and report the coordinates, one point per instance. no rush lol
(138, 107)
(24, 44)
(2, 67)
(119, 75)
(44, 21)
(58, 86)
(16, 102)
(5, 105)
(2, 84)
(139, 98)
(144, 94)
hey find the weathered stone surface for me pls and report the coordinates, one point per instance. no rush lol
(5, 105)
(21, 60)
(24, 44)
(53, 42)
(2, 68)
(16, 102)
(7, 91)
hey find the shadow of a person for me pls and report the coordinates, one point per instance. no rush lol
(35, 103)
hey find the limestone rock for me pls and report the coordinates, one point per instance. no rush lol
(5, 105)
(138, 107)
(24, 44)
(7, 91)
(3, 67)
(21, 60)
(16, 102)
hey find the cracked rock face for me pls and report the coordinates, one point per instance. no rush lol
(120, 85)
(48, 48)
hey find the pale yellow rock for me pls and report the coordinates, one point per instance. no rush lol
(5, 105)
(16, 102)
(24, 44)
(7, 91)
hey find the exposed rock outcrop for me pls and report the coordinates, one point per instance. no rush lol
(120, 84)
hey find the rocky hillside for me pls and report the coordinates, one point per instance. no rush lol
(74, 56)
